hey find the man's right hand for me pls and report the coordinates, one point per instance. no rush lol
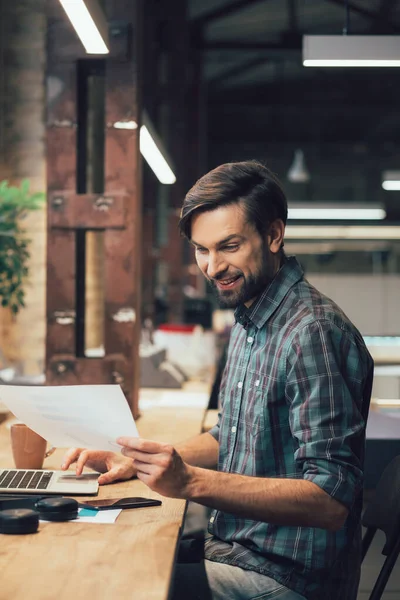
(112, 466)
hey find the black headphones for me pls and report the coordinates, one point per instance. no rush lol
(26, 520)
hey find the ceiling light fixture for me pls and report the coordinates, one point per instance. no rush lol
(154, 152)
(151, 148)
(351, 51)
(298, 172)
(125, 125)
(391, 180)
(322, 247)
(342, 232)
(337, 211)
(89, 23)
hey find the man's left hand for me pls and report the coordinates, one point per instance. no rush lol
(158, 465)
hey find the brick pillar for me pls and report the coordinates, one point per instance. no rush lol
(22, 155)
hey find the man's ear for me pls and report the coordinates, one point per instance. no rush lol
(276, 234)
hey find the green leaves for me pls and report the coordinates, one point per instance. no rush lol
(15, 204)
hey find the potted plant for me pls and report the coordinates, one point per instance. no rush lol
(15, 203)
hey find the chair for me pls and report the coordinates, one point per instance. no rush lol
(383, 512)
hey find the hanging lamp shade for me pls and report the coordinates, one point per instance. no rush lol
(298, 172)
(391, 181)
(351, 51)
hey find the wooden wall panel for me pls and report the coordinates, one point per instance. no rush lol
(61, 174)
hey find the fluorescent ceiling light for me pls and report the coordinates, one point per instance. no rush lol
(151, 148)
(330, 246)
(391, 180)
(89, 23)
(154, 153)
(351, 51)
(391, 186)
(337, 211)
(342, 232)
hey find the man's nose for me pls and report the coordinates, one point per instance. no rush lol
(215, 266)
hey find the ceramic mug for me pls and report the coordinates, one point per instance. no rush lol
(28, 447)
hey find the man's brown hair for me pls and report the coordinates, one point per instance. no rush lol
(249, 183)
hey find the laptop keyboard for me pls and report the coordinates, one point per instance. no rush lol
(28, 480)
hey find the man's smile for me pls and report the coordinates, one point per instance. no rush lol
(227, 283)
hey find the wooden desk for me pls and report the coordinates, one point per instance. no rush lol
(132, 558)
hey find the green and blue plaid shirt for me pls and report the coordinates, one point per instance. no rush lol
(294, 403)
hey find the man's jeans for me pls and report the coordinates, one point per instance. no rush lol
(209, 580)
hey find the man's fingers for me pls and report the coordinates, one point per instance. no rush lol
(143, 467)
(108, 477)
(142, 445)
(70, 457)
(142, 456)
(80, 463)
(114, 474)
(144, 477)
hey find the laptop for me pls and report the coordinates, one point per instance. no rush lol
(29, 481)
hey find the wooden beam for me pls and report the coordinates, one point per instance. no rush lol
(385, 12)
(106, 198)
(365, 12)
(336, 88)
(223, 11)
(123, 171)
(68, 210)
(292, 15)
(237, 70)
(291, 44)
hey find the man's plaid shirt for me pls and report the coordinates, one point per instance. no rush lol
(294, 403)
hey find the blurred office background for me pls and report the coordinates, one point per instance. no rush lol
(214, 81)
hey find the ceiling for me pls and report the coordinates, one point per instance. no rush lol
(252, 57)
(262, 102)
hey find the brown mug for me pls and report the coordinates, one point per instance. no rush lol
(28, 447)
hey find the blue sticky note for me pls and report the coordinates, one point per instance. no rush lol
(87, 512)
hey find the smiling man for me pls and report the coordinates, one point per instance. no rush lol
(283, 468)
(236, 262)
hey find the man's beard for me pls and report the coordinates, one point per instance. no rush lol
(251, 286)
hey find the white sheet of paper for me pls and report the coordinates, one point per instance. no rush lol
(88, 416)
(101, 516)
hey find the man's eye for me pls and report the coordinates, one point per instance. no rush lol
(231, 247)
(200, 250)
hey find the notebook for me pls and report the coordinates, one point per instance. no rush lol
(29, 481)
